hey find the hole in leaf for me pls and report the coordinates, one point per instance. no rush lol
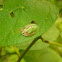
(12, 14)
(1, 7)
(33, 22)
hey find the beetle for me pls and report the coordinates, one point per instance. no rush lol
(29, 29)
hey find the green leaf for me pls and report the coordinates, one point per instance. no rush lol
(25, 11)
(59, 24)
(12, 58)
(59, 40)
(6, 24)
(37, 46)
(58, 3)
(57, 48)
(43, 55)
(1, 2)
(11, 5)
(61, 34)
(52, 34)
(9, 49)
